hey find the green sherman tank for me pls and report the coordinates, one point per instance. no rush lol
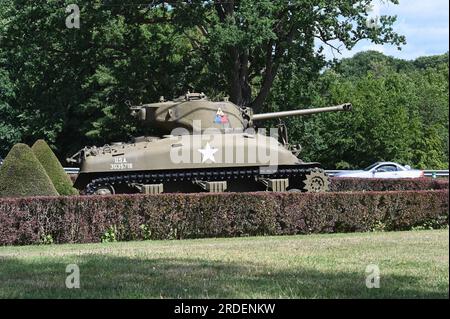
(202, 146)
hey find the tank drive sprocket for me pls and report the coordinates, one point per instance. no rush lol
(316, 181)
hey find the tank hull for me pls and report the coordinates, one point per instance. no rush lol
(180, 163)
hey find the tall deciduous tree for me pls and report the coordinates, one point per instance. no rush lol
(249, 41)
(10, 128)
(400, 113)
(69, 86)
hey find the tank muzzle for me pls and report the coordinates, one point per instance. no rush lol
(347, 107)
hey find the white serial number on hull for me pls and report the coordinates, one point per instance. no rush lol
(121, 163)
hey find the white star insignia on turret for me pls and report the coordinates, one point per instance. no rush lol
(208, 153)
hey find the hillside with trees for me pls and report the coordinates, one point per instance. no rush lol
(400, 112)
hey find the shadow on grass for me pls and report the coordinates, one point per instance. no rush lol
(120, 277)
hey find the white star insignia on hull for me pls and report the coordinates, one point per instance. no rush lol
(208, 153)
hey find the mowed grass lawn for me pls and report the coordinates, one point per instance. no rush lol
(412, 264)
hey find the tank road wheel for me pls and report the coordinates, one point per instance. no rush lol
(106, 189)
(316, 181)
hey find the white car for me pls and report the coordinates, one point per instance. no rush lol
(384, 170)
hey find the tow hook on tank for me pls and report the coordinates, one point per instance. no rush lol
(76, 158)
(275, 185)
(212, 187)
(149, 189)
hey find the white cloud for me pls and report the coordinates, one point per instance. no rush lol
(436, 10)
(424, 23)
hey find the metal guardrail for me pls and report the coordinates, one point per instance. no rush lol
(441, 173)
(429, 173)
(71, 170)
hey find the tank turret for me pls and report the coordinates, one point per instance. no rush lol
(195, 112)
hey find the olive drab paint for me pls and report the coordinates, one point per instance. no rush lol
(201, 145)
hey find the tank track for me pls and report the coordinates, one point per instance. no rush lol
(223, 174)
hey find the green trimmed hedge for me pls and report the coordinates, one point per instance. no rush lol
(23, 175)
(53, 167)
(85, 219)
(346, 184)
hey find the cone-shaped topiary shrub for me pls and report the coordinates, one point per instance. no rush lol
(23, 175)
(54, 169)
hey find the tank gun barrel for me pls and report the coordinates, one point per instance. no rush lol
(267, 116)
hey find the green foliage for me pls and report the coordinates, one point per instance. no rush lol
(23, 175)
(379, 226)
(439, 222)
(371, 61)
(181, 216)
(346, 184)
(146, 232)
(46, 239)
(74, 82)
(246, 43)
(400, 114)
(110, 235)
(53, 167)
(57, 83)
(9, 120)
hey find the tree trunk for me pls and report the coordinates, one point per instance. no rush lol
(257, 104)
(240, 88)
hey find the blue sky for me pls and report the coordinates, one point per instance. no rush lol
(425, 23)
